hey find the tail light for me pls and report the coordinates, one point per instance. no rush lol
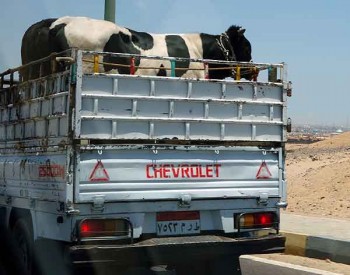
(257, 220)
(90, 229)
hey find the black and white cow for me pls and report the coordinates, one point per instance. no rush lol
(56, 35)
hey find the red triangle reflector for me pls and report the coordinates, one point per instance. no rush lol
(264, 172)
(99, 173)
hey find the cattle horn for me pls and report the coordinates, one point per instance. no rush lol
(241, 31)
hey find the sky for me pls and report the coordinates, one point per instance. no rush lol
(311, 36)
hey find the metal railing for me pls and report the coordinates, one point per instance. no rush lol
(57, 62)
(236, 66)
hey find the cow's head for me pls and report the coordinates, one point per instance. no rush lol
(241, 48)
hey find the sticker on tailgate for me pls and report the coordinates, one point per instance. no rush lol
(51, 171)
(178, 223)
(99, 173)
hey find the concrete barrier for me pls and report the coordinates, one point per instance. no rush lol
(251, 265)
(317, 237)
(317, 247)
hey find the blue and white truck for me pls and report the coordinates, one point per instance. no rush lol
(143, 170)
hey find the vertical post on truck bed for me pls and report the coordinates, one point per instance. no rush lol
(206, 70)
(132, 65)
(110, 10)
(272, 74)
(238, 73)
(173, 68)
(96, 65)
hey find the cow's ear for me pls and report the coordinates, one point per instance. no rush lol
(241, 31)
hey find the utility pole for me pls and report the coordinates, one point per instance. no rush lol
(110, 10)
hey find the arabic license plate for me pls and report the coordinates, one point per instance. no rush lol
(178, 223)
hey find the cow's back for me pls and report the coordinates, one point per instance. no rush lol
(87, 33)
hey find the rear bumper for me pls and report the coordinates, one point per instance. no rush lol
(159, 251)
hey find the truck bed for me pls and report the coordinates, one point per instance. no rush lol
(77, 136)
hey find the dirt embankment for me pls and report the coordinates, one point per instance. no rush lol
(318, 177)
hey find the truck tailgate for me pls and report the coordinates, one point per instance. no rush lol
(150, 173)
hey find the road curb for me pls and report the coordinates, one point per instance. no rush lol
(317, 247)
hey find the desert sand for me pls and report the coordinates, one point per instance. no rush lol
(318, 177)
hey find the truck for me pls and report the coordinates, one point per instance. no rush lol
(104, 169)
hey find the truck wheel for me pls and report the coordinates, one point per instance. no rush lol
(24, 239)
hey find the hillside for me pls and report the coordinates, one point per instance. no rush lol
(318, 177)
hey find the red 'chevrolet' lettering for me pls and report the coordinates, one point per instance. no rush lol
(176, 171)
(164, 171)
(185, 172)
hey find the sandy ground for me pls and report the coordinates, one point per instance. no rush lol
(318, 177)
(325, 265)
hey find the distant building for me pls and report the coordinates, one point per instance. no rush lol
(339, 131)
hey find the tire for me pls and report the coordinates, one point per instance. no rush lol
(23, 237)
(9, 256)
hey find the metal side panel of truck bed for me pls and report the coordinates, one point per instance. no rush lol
(135, 107)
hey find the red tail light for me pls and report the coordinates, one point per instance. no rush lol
(256, 220)
(265, 219)
(104, 228)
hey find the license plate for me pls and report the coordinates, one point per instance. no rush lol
(178, 223)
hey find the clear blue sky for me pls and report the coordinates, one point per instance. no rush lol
(311, 36)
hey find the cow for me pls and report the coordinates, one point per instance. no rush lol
(59, 34)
